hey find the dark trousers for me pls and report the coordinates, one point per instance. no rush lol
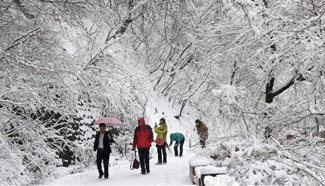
(162, 152)
(180, 148)
(144, 159)
(202, 143)
(102, 156)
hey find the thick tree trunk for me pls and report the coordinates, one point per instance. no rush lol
(268, 92)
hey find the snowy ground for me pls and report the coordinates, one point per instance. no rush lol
(175, 172)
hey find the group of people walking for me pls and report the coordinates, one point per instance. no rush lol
(142, 140)
(143, 137)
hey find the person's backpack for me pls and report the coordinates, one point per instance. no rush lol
(134, 163)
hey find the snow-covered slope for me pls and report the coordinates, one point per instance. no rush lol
(164, 109)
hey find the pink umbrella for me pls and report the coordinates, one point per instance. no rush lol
(109, 121)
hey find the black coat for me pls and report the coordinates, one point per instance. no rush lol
(107, 142)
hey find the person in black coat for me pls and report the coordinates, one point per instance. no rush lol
(102, 144)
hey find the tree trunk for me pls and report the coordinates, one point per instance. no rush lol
(268, 92)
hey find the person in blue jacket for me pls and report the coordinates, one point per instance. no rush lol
(180, 139)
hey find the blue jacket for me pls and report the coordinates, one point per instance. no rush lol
(178, 137)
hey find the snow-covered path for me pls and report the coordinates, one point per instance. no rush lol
(175, 172)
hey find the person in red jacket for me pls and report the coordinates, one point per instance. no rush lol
(143, 137)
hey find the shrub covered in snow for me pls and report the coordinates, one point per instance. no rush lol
(12, 169)
(219, 180)
(256, 162)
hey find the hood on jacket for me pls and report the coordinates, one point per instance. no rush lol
(142, 120)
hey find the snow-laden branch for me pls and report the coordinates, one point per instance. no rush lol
(285, 86)
(23, 38)
(205, 10)
(307, 27)
(301, 165)
(317, 113)
(14, 103)
(123, 26)
(306, 170)
(139, 4)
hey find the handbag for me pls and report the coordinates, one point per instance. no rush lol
(134, 163)
(160, 142)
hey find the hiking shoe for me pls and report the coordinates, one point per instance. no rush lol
(100, 176)
(106, 177)
(143, 173)
(158, 163)
(148, 171)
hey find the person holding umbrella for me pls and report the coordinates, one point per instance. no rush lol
(143, 137)
(102, 144)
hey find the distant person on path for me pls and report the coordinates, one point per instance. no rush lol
(180, 139)
(102, 144)
(143, 137)
(161, 131)
(202, 131)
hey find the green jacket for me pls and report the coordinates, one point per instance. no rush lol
(161, 131)
(178, 137)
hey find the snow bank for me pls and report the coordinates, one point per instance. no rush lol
(220, 180)
(256, 162)
(201, 161)
(213, 170)
(205, 170)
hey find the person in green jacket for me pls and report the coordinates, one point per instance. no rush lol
(161, 131)
(180, 139)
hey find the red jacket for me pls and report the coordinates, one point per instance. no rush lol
(143, 136)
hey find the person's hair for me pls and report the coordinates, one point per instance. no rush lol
(163, 119)
(102, 125)
(197, 121)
